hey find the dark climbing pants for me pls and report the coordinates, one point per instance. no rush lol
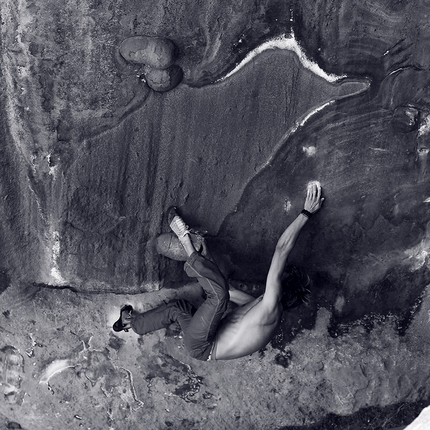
(199, 326)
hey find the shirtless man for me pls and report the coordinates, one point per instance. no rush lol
(246, 329)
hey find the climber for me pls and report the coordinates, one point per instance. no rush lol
(207, 334)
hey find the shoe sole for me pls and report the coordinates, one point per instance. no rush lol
(118, 325)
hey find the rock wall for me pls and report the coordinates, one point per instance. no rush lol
(273, 95)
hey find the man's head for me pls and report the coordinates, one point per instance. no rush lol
(295, 286)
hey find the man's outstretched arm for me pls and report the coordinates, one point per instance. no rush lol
(287, 241)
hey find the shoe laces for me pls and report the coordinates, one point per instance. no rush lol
(181, 226)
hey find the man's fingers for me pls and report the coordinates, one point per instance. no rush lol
(318, 192)
(311, 190)
(314, 193)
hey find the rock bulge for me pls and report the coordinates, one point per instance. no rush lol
(158, 55)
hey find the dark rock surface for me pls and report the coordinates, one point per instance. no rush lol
(91, 157)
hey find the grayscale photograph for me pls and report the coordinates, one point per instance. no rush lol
(215, 215)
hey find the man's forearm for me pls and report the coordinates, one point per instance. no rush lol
(283, 248)
(289, 237)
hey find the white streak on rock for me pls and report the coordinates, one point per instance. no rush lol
(421, 259)
(379, 149)
(55, 367)
(425, 126)
(13, 68)
(418, 256)
(310, 114)
(427, 200)
(285, 42)
(55, 271)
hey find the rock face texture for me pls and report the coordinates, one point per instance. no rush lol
(227, 112)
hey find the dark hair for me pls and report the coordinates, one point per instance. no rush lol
(295, 286)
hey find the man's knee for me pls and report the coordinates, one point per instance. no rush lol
(217, 289)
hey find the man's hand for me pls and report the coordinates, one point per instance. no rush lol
(313, 200)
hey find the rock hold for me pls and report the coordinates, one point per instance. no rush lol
(156, 52)
(163, 79)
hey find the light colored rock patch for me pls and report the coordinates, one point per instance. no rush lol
(310, 151)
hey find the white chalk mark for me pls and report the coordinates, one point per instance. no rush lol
(289, 43)
(419, 255)
(309, 150)
(52, 168)
(427, 200)
(311, 183)
(287, 206)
